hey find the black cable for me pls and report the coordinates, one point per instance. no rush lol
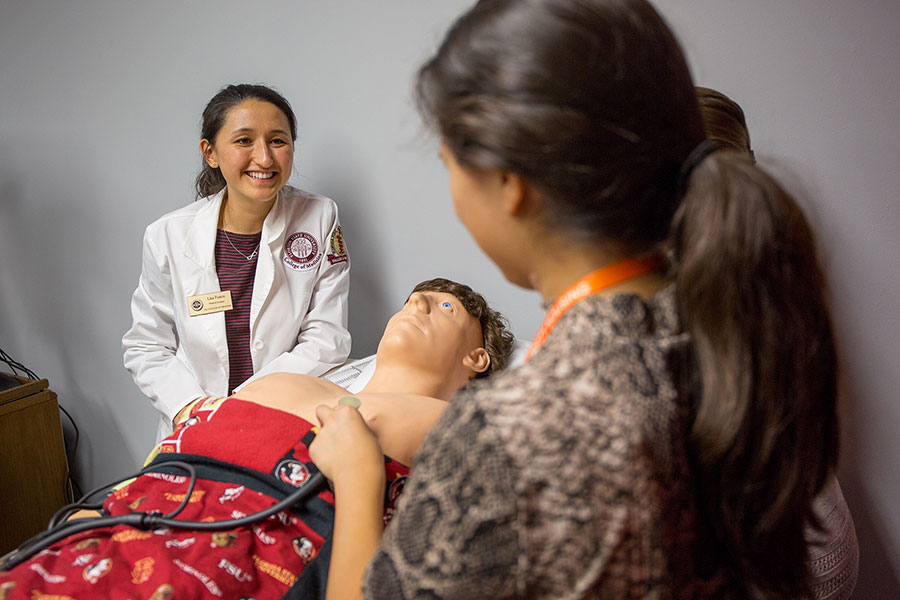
(83, 504)
(145, 521)
(73, 489)
(65, 512)
(187, 496)
(55, 521)
(82, 501)
(74, 426)
(40, 541)
(16, 366)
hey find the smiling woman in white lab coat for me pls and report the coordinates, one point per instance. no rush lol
(252, 278)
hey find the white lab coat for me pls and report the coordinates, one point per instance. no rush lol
(298, 314)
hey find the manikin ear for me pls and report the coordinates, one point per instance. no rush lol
(209, 153)
(478, 360)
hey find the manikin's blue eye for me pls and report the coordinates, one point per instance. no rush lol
(446, 305)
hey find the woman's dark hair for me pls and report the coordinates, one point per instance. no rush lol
(591, 101)
(498, 340)
(210, 180)
(723, 121)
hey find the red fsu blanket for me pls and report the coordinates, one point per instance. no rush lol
(247, 458)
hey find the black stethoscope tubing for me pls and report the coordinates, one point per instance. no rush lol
(147, 520)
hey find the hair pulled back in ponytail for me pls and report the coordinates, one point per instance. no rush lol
(765, 434)
(210, 180)
(602, 139)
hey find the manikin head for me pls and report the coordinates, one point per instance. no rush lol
(447, 331)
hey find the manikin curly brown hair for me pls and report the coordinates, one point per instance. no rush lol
(498, 340)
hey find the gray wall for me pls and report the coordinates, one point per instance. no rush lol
(99, 112)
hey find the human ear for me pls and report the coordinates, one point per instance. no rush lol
(478, 360)
(515, 193)
(209, 153)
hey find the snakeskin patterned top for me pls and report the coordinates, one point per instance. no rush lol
(568, 477)
(565, 478)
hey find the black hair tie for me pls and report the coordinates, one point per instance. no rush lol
(697, 156)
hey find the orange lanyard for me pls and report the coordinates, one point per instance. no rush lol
(588, 285)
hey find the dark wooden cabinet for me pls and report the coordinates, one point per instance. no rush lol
(33, 466)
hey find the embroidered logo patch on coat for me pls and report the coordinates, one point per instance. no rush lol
(301, 251)
(338, 249)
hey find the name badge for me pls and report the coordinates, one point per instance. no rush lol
(205, 304)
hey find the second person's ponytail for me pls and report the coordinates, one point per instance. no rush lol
(752, 296)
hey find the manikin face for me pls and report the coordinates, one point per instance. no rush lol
(253, 150)
(432, 329)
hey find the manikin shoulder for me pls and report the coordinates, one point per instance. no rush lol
(400, 421)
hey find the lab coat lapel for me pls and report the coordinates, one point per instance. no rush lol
(200, 249)
(200, 242)
(272, 236)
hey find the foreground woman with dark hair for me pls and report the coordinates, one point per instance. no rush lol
(676, 416)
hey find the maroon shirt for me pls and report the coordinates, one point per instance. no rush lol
(236, 274)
